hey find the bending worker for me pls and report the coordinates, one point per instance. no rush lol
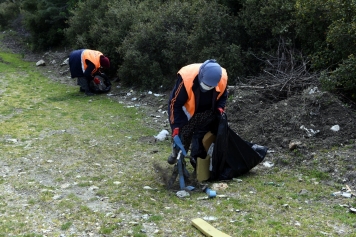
(199, 94)
(83, 64)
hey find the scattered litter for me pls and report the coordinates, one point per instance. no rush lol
(219, 186)
(207, 197)
(343, 194)
(150, 92)
(310, 132)
(211, 193)
(182, 194)
(162, 135)
(11, 140)
(272, 184)
(313, 90)
(353, 210)
(202, 198)
(189, 188)
(147, 188)
(93, 188)
(335, 128)
(221, 196)
(133, 99)
(303, 192)
(210, 218)
(237, 180)
(268, 164)
(117, 182)
(157, 95)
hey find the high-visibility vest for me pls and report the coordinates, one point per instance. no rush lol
(93, 56)
(188, 74)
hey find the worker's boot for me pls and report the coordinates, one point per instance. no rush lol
(84, 86)
(172, 159)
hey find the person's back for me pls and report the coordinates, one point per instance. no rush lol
(84, 64)
(75, 63)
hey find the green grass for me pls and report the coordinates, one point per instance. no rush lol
(68, 143)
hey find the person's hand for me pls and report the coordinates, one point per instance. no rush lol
(175, 132)
(221, 110)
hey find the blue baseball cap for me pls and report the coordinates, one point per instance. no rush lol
(210, 73)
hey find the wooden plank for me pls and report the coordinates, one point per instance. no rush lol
(207, 229)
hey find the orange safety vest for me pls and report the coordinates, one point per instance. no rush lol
(188, 74)
(93, 56)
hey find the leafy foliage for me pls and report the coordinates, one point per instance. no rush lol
(149, 40)
(46, 20)
(9, 10)
(183, 33)
(343, 78)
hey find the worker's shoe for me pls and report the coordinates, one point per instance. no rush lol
(172, 158)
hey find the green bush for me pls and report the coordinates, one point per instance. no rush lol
(8, 12)
(103, 26)
(266, 23)
(156, 46)
(342, 79)
(216, 34)
(182, 33)
(46, 21)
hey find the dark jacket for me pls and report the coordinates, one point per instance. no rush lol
(203, 101)
(78, 68)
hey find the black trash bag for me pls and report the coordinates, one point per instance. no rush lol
(100, 84)
(233, 156)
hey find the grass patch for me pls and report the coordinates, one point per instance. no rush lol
(66, 226)
(76, 163)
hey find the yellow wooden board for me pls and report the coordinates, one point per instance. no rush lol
(207, 229)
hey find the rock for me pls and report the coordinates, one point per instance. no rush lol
(65, 62)
(182, 194)
(294, 145)
(41, 63)
(335, 128)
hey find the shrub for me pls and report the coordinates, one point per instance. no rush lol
(342, 79)
(182, 33)
(103, 26)
(8, 12)
(46, 20)
(156, 46)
